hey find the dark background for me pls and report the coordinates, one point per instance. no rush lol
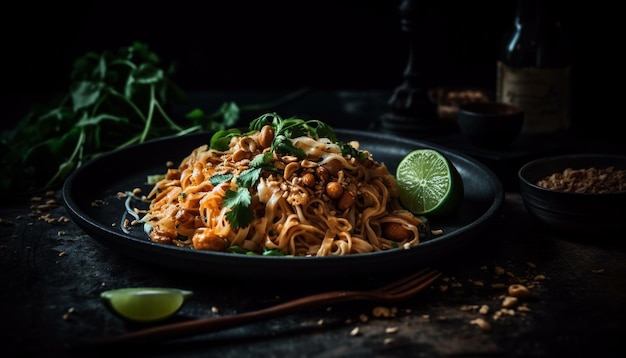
(285, 45)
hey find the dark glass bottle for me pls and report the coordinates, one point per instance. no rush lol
(534, 67)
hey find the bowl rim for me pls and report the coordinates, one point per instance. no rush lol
(521, 173)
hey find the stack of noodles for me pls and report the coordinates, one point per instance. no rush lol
(328, 203)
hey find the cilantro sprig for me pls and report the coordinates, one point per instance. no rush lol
(114, 99)
(287, 129)
(239, 199)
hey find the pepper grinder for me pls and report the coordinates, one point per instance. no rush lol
(413, 113)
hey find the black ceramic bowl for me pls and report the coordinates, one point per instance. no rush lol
(490, 125)
(582, 214)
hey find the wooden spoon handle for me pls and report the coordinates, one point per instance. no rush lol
(206, 325)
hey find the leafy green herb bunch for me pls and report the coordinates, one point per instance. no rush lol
(115, 99)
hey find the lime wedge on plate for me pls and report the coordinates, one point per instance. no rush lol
(428, 183)
(145, 304)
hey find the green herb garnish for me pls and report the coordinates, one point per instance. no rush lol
(266, 251)
(221, 139)
(239, 200)
(218, 179)
(240, 214)
(287, 129)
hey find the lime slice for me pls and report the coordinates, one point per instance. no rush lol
(145, 304)
(428, 183)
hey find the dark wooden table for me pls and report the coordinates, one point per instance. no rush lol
(52, 273)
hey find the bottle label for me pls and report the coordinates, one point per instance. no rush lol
(543, 94)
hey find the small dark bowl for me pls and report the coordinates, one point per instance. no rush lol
(490, 125)
(581, 215)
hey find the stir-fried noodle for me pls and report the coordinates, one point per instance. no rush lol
(327, 202)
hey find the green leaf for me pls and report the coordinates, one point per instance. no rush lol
(55, 147)
(147, 74)
(287, 129)
(237, 250)
(230, 113)
(218, 179)
(240, 214)
(100, 71)
(262, 161)
(248, 177)
(141, 77)
(195, 114)
(321, 130)
(141, 50)
(284, 146)
(266, 119)
(85, 93)
(225, 117)
(221, 139)
(273, 252)
(241, 196)
(347, 149)
(293, 128)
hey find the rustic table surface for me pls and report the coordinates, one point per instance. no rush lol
(51, 275)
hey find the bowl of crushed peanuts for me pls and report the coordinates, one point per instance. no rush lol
(581, 195)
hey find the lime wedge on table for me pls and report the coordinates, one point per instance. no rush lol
(145, 304)
(428, 183)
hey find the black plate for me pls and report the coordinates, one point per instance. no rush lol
(100, 179)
